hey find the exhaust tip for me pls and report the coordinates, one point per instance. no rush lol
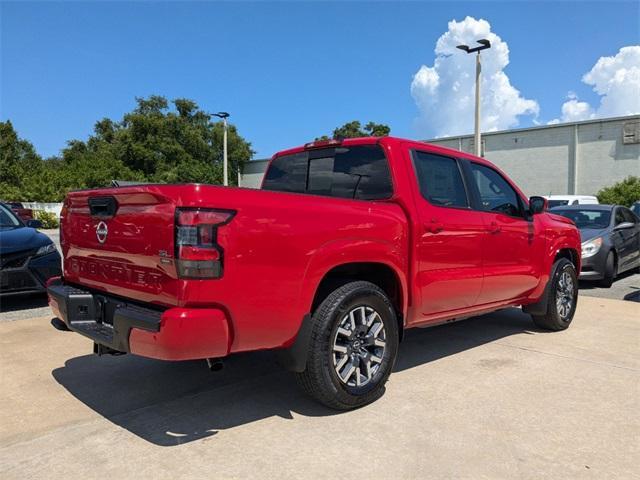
(59, 325)
(215, 364)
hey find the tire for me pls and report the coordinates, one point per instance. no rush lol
(328, 376)
(562, 297)
(609, 271)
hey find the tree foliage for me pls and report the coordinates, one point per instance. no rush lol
(158, 142)
(19, 163)
(354, 129)
(624, 192)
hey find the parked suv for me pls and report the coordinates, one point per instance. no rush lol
(347, 244)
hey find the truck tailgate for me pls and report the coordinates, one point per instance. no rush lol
(121, 240)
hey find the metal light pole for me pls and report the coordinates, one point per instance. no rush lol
(484, 44)
(225, 174)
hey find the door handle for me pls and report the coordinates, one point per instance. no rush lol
(434, 226)
(494, 228)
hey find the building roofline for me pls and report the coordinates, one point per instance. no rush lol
(538, 127)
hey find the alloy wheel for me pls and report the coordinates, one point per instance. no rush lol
(565, 293)
(358, 346)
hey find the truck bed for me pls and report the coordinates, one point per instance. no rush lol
(275, 240)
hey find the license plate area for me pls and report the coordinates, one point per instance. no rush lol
(86, 307)
(81, 307)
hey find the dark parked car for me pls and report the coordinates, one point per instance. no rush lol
(610, 240)
(635, 208)
(28, 258)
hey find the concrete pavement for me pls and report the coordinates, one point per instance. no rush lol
(489, 397)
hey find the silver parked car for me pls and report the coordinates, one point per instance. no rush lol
(610, 240)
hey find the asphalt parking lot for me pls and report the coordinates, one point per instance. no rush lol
(489, 397)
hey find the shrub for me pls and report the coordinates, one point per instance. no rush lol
(49, 220)
(622, 193)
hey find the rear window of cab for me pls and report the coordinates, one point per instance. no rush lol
(357, 172)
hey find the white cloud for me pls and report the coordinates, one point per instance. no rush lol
(445, 92)
(617, 80)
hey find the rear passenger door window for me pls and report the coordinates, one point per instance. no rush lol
(496, 195)
(440, 180)
(360, 172)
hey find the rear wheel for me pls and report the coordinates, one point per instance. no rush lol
(562, 297)
(353, 347)
(609, 271)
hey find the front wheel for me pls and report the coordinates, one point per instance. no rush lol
(562, 297)
(609, 271)
(353, 347)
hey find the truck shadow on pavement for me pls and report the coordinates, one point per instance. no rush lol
(170, 404)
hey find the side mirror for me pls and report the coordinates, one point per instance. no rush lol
(624, 226)
(537, 205)
(34, 223)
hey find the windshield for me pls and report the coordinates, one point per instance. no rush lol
(586, 218)
(8, 219)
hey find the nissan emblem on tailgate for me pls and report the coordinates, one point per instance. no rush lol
(101, 232)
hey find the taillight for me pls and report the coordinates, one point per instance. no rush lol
(63, 213)
(198, 254)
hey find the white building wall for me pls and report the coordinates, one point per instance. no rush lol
(537, 163)
(602, 157)
(575, 158)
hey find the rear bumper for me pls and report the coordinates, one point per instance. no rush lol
(171, 334)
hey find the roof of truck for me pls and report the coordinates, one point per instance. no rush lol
(384, 140)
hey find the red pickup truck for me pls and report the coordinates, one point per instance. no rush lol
(347, 244)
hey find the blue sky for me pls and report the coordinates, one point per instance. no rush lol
(287, 72)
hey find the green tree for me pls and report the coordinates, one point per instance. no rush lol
(20, 166)
(624, 192)
(158, 141)
(354, 129)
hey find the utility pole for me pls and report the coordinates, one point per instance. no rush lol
(225, 173)
(484, 44)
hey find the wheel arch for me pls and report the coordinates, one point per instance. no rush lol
(538, 303)
(380, 274)
(568, 253)
(336, 264)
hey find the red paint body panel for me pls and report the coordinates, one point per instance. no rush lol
(185, 334)
(279, 246)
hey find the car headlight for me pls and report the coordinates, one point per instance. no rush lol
(591, 247)
(45, 249)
